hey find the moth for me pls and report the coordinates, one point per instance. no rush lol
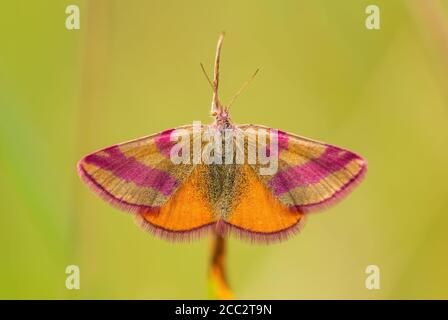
(182, 200)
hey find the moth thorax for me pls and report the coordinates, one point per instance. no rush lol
(222, 120)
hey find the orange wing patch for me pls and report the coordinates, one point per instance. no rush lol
(185, 215)
(259, 216)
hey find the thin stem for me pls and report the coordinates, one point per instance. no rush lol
(218, 284)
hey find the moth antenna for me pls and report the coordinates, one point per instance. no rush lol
(206, 75)
(216, 106)
(245, 84)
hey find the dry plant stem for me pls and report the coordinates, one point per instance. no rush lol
(219, 287)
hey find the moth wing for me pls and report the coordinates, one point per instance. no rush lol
(256, 214)
(311, 175)
(139, 177)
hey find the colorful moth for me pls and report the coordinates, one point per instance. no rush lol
(186, 200)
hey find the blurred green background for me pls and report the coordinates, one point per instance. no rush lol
(133, 69)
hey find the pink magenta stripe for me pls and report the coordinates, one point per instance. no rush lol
(337, 196)
(282, 143)
(106, 195)
(130, 169)
(282, 140)
(164, 143)
(311, 172)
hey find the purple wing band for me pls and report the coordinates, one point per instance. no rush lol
(129, 169)
(336, 197)
(332, 160)
(107, 196)
(164, 142)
